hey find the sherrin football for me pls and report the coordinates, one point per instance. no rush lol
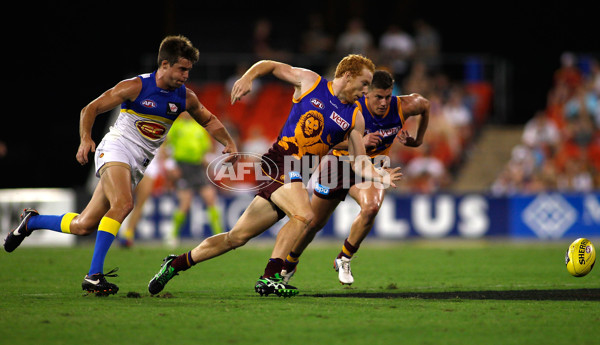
(580, 257)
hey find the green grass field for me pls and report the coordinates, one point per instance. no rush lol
(413, 292)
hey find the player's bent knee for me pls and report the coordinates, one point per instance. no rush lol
(305, 218)
(123, 208)
(234, 241)
(370, 210)
(83, 228)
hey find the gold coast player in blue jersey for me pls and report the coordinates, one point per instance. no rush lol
(323, 114)
(149, 105)
(384, 116)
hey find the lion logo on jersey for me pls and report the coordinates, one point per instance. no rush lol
(310, 127)
(307, 136)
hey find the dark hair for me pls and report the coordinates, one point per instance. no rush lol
(382, 80)
(174, 47)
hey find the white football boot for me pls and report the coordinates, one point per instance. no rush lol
(342, 266)
(286, 276)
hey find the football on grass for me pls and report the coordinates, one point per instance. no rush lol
(580, 257)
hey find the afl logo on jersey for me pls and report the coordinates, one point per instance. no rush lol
(317, 103)
(148, 103)
(151, 130)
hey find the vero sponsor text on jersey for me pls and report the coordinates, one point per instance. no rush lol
(385, 132)
(339, 120)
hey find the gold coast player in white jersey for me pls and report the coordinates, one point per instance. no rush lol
(149, 105)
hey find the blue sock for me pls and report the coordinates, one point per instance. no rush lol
(103, 242)
(45, 222)
(60, 223)
(107, 231)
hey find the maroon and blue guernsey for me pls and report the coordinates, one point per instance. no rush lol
(388, 124)
(317, 121)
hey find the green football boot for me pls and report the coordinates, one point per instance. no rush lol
(267, 286)
(166, 273)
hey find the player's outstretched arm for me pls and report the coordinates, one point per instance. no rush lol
(302, 79)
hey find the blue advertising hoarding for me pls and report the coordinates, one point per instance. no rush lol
(544, 216)
(554, 215)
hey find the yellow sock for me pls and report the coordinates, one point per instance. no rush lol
(65, 223)
(292, 259)
(109, 225)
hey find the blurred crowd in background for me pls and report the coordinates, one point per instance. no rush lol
(560, 148)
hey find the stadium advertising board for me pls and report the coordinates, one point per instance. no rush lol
(545, 216)
(553, 216)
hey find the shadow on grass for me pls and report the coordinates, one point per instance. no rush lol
(535, 295)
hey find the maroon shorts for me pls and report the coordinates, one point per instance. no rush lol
(273, 166)
(335, 178)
